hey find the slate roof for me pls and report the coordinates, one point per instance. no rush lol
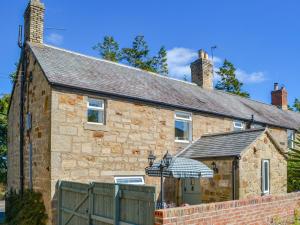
(69, 69)
(220, 145)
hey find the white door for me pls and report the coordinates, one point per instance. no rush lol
(191, 191)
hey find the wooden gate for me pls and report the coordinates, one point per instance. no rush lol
(105, 203)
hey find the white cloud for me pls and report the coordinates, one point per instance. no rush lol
(55, 39)
(179, 60)
(250, 78)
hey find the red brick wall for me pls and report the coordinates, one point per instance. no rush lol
(279, 209)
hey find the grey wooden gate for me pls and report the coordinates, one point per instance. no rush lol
(105, 203)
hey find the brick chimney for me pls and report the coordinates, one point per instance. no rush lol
(34, 22)
(280, 97)
(202, 71)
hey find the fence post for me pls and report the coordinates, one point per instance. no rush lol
(59, 205)
(116, 205)
(91, 202)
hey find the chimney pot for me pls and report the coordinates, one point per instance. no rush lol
(202, 71)
(34, 22)
(280, 97)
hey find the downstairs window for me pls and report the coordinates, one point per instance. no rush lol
(265, 176)
(138, 180)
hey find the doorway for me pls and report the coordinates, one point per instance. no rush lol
(191, 191)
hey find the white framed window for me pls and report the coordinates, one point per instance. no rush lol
(238, 125)
(95, 111)
(291, 138)
(138, 180)
(183, 126)
(265, 176)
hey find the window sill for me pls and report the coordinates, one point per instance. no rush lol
(181, 141)
(95, 126)
(265, 193)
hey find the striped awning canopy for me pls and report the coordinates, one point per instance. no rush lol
(181, 168)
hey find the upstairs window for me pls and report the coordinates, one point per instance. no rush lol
(291, 138)
(183, 126)
(95, 112)
(265, 176)
(138, 180)
(238, 125)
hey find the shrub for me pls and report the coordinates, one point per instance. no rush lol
(28, 209)
(294, 167)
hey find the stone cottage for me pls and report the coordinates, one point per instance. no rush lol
(75, 117)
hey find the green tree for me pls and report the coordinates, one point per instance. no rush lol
(13, 75)
(229, 81)
(138, 55)
(108, 49)
(297, 105)
(160, 62)
(4, 102)
(294, 166)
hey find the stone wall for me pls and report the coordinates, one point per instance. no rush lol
(281, 136)
(218, 188)
(85, 152)
(281, 209)
(250, 167)
(37, 102)
(13, 156)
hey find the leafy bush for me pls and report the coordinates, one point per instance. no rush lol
(28, 209)
(294, 167)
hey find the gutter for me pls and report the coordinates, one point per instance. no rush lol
(156, 103)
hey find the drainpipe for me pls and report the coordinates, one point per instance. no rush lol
(235, 166)
(21, 118)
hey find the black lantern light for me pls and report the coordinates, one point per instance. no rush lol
(164, 164)
(214, 167)
(151, 159)
(167, 159)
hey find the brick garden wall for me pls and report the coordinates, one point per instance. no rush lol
(279, 209)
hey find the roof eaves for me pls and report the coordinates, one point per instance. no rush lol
(59, 85)
(234, 132)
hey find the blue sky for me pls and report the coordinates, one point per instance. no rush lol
(261, 38)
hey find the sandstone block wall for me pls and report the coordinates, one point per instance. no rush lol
(250, 169)
(218, 188)
(13, 165)
(37, 102)
(85, 152)
(280, 135)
